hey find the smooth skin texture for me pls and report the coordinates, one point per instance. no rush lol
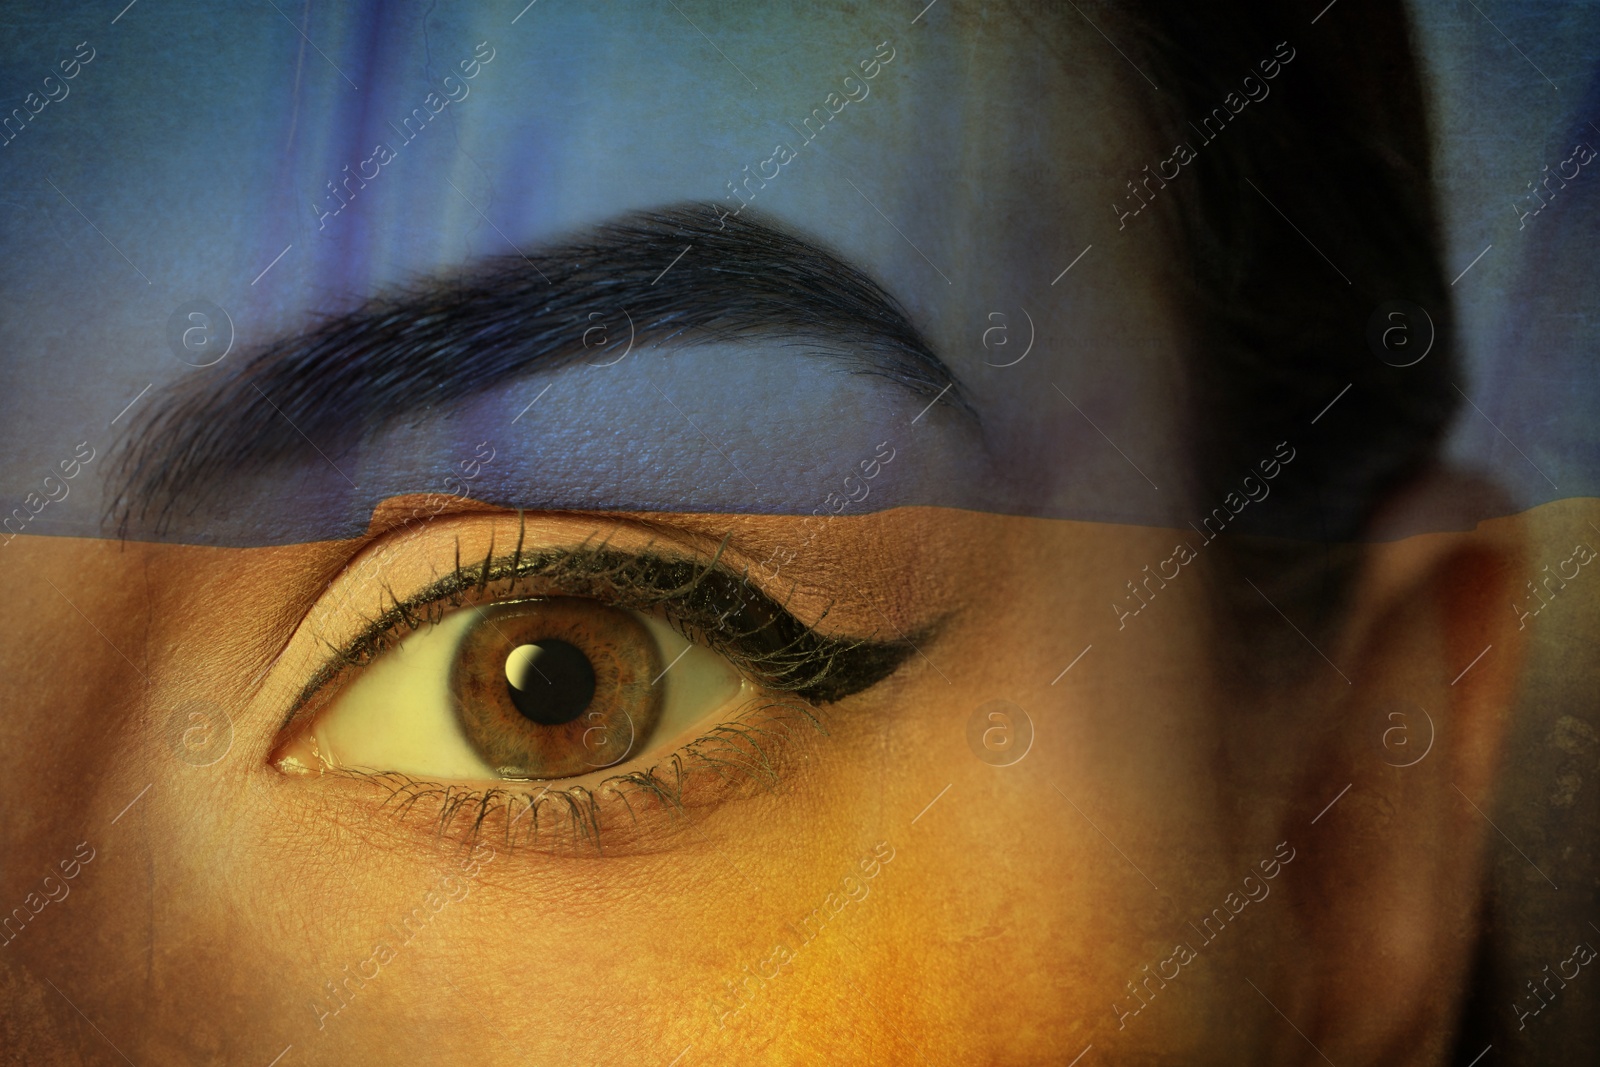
(1010, 907)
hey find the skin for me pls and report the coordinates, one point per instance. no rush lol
(1019, 901)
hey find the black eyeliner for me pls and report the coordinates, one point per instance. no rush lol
(702, 599)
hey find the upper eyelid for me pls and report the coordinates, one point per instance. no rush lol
(377, 551)
(791, 645)
(840, 666)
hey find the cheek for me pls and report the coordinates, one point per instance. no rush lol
(61, 686)
(1020, 874)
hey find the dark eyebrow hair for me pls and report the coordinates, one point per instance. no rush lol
(420, 347)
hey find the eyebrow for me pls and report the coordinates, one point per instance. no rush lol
(686, 275)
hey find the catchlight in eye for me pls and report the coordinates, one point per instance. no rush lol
(555, 687)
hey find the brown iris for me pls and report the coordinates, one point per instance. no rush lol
(556, 687)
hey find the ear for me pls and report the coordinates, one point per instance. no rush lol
(1389, 891)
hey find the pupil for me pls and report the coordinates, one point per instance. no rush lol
(551, 682)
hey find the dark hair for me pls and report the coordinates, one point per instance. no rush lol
(1281, 280)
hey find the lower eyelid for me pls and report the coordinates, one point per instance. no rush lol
(634, 813)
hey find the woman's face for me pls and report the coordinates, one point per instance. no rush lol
(964, 806)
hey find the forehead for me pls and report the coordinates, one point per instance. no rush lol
(962, 158)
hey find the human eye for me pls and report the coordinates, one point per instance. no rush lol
(562, 689)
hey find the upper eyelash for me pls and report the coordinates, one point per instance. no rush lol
(702, 599)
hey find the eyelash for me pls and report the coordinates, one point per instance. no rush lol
(700, 598)
(735, 749)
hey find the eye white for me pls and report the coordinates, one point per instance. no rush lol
(397, 713)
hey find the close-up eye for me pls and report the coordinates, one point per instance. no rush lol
(603, 691)
(968, 532)
(542, 688)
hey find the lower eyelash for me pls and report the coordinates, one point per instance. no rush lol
(746, 751)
